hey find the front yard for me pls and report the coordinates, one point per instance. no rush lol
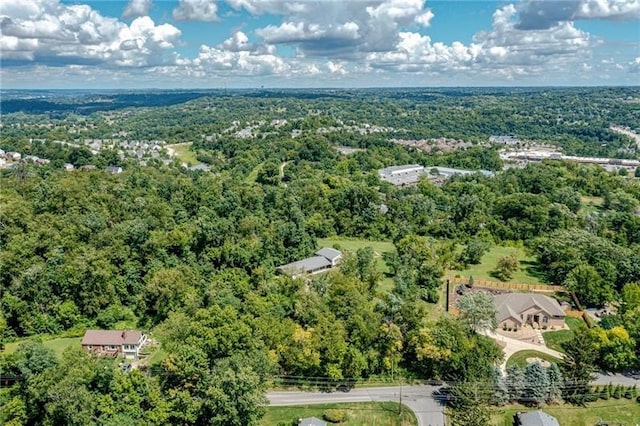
(612, 412)
(357, 414)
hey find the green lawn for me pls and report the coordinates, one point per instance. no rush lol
(352, 245)
(184, 153)
(553, 339)
(358, 414)
(613, 412)
(58, 345)
(520, 358)
(527, 273)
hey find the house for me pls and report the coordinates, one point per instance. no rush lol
(326, 258)
(535, 418)
(125, 343)
(517, 309)
(311, 421)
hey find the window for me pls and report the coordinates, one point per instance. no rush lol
(545, 319)
(90, 346)
(112, 347)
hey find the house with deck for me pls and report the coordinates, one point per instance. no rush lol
(115, 343)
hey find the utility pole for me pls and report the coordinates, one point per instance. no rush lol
(400, 406)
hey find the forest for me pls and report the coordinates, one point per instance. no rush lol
(191, 256)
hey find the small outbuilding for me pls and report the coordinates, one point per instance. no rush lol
(311, 421)
(535, 418)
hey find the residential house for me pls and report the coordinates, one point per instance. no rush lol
(517, 309)
(326, 258)
(535, 418)
(311, 421)
(125, 343)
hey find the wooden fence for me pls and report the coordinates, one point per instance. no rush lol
(541, 288)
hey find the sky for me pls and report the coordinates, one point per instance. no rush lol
(173, 44)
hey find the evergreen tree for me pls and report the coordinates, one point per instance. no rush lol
(537, 384)
(515, 382)
(556, 382)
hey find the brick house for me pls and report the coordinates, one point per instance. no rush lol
(124, 343)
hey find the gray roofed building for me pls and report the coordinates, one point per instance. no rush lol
(311, 421)
(331, 254)
(325, 259)
(536, 418)
(516, 309)
(408, 174)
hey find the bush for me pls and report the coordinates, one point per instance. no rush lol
(335, 416)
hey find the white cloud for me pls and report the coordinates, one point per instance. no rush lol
(237, 42)
(536, 14)
(338, 29)
(48, 31)
(196, 10)
(136, 8)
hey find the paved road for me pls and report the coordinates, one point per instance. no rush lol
(616, 379)
(419, 399)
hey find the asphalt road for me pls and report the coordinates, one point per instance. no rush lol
(419, 399)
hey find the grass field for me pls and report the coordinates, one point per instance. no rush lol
(553, 339)
(612, 412)
(58, 345)
(379, 247)
(527, 273)
(352, 245)
(184, 153)
(358, 414)
(520, 358)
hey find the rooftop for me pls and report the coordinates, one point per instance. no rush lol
(111, 337)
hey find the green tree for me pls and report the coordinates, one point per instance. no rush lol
(478, 311)
(588, 285)
(470, 404)
(537, 384)
(473, 252)
(505, 267)
(579, 365)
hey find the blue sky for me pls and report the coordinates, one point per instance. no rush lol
(325, 43)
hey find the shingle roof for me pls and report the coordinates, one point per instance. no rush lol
(305, 265)
(509, 304)
(329, 253)
(111, 337)
(537, 418)
(312, 421)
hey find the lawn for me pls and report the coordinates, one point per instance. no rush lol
(58, 345)
(358, 414)
(352, 245)
(527, 273)
(553, 339)
(613, 412)
(520, 357)
(184, 153)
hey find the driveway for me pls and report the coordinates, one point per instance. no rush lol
(419, 399)
(511, 346)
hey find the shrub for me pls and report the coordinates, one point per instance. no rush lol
(617, 392)
(335, 415)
